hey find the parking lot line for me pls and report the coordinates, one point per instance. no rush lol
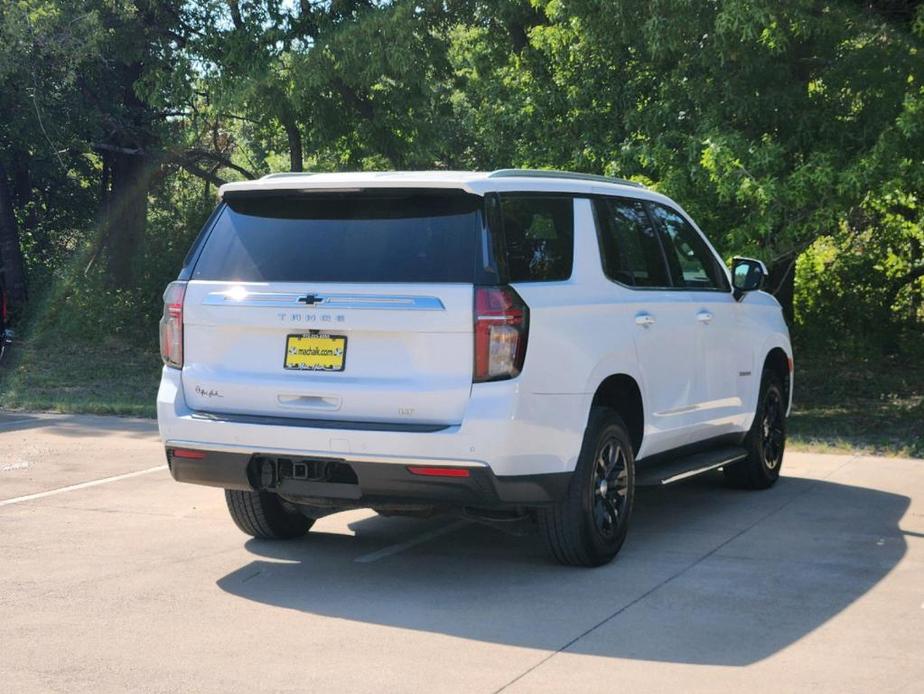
(407, 544)
(81, 485)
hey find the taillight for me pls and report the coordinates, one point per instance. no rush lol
(171, 325)
(501, 331)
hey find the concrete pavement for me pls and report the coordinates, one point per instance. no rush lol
(135, 582)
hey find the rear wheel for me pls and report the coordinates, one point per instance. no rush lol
(766, 440)
(265, 515)
(589, 525)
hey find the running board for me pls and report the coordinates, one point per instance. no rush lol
(660, 474)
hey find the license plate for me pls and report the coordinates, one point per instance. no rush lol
(315, 352)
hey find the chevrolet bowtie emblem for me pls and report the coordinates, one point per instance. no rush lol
(310, 299)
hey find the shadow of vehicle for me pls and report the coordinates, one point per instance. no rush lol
(708, 576)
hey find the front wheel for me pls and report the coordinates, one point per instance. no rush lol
(589, 525)
(265, 515)
(766, 440)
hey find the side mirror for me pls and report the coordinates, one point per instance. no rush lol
(747, 276)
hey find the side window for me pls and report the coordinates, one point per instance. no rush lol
(539, 237)
(692, 263)
(629, 244)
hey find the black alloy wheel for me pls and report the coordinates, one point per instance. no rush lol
(610, 487)
(773, 434)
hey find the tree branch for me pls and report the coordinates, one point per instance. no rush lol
(202, 173)
(903, 281)
(236, 17)
(119, 150)
(197, 155)
(910, 276)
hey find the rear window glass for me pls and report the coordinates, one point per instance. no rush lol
(401, 237)
(539, 237)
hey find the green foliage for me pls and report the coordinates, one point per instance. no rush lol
(853, 292)
(770, 121)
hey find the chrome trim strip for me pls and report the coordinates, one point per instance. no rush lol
(728, 460)
(379, 302)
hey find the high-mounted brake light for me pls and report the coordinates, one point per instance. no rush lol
(501, 333)
(171, 325)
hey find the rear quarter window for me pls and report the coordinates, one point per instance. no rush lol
(538, 235)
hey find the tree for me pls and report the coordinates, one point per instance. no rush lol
(98, 89)
(771, 122)
(351, 84)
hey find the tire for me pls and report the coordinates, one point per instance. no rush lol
(766, 440)
(266, 516)
(588, 526)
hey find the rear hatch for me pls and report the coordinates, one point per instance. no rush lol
(353, 306)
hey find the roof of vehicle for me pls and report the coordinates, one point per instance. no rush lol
(477, 182)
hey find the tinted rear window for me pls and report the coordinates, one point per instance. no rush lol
(401, 237)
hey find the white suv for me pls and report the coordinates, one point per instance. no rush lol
(515, 345)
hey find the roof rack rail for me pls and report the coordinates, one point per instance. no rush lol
(283, 174)
(552, 173)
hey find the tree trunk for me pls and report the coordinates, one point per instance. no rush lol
(10, 251)
(782, 284)
(22, 187)
(296, 157)
(130, 178)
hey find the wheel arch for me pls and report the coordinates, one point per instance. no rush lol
(778, 362)
(621, 392)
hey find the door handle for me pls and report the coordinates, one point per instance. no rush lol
(704, 316)
(645, 320)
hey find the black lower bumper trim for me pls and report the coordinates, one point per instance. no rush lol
(384, 484)
(216, 469)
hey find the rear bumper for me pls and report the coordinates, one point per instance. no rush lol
(364, 483)
(505, 431)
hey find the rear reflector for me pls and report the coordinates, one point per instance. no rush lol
(188, 453)
(438, 471)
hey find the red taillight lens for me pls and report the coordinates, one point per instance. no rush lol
(171, 325)
(501, 332)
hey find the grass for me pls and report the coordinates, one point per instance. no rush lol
(67, 375)
(873, 406)
(859, 405)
